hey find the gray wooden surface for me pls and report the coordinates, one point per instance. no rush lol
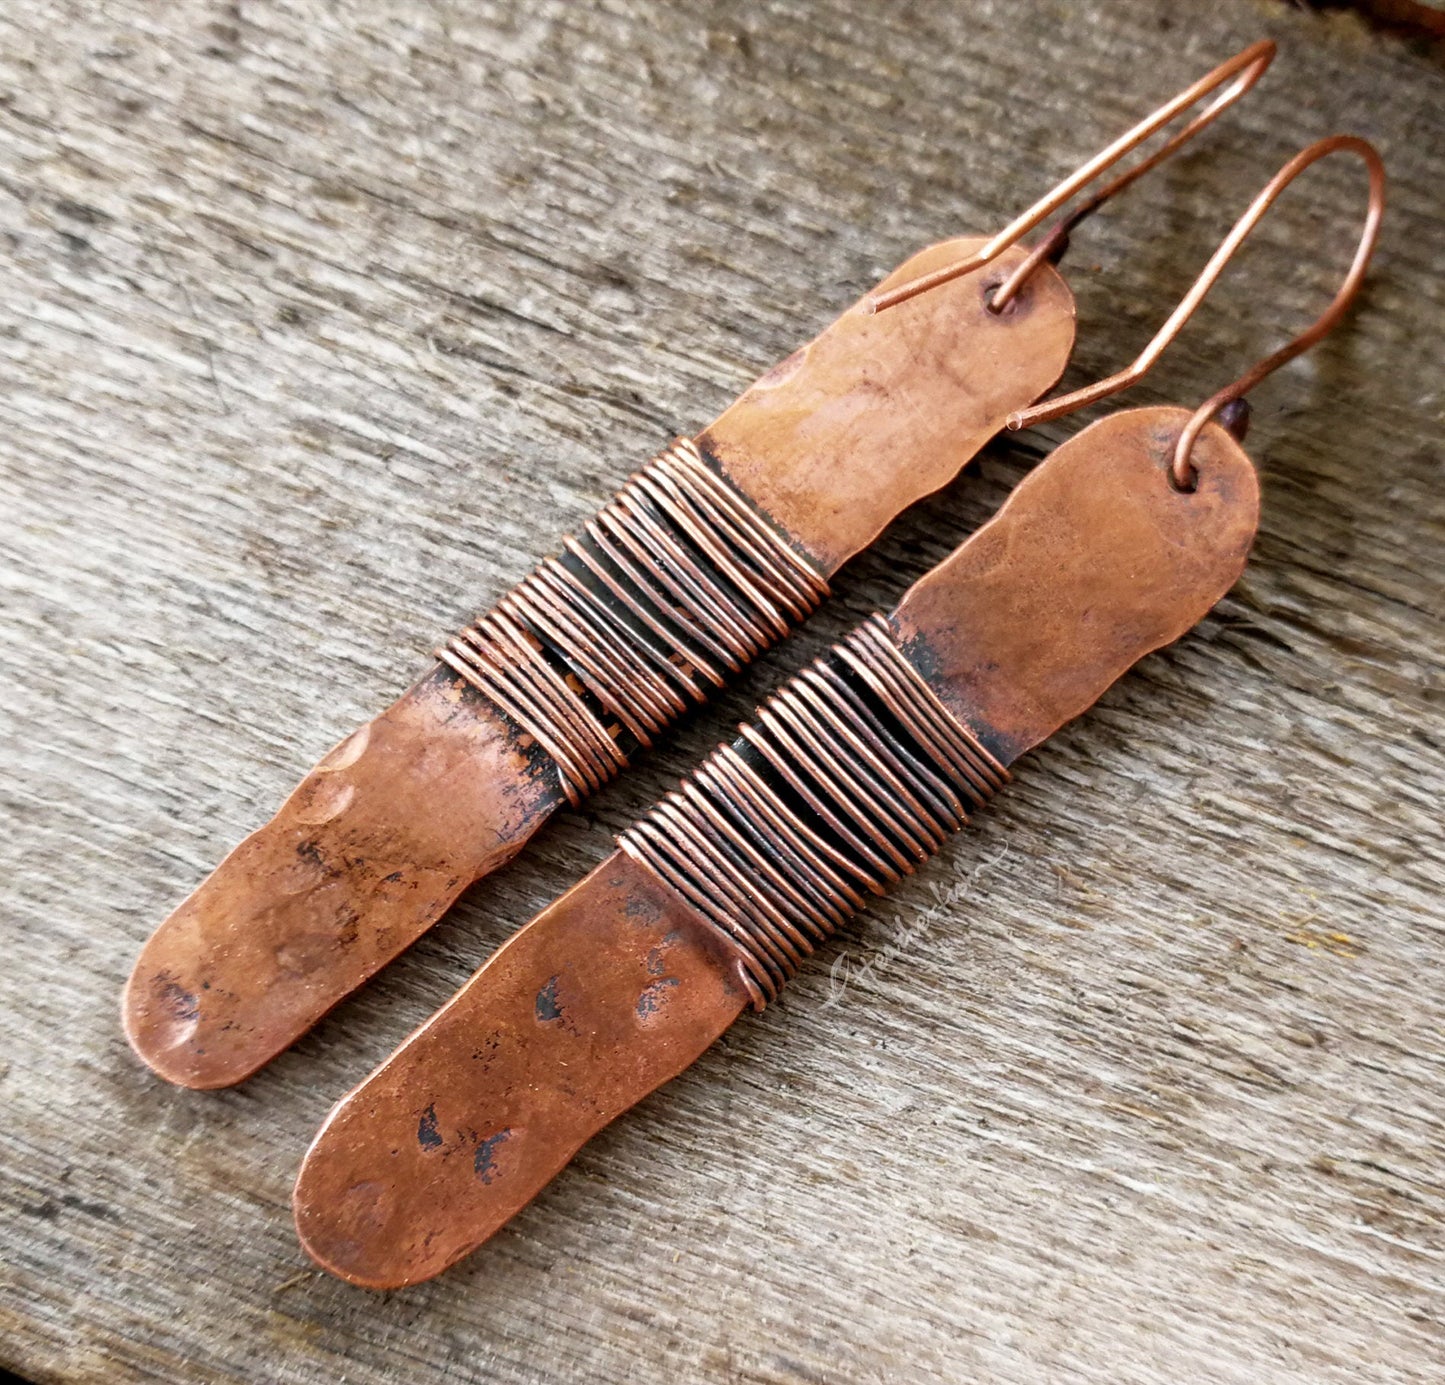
(321, 321)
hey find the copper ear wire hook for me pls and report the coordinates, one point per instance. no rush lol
(1181, 469)
(1246, 68)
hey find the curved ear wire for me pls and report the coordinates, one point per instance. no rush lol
(1246, 68)
(1181, 469)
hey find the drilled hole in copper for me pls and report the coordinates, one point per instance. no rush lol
(1182, 486)
(990, 292)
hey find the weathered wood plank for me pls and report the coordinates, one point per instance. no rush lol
(321, 321)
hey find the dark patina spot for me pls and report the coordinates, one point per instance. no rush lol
(548, 1006)
(348, 923)
(642, 909)
(177, 999)
(427, 1134)
(485, 1162)
(311, 853)
(652, 998)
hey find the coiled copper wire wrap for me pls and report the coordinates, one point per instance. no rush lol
(854, 774)
(675, 584)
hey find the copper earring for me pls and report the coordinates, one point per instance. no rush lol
(708, 555)
(849, 778)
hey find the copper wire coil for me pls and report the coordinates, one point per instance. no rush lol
(672, 586)
(854, 775)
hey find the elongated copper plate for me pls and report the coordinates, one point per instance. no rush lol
(1093, 562)
(601, 998)
(382, 836)
(358, 862)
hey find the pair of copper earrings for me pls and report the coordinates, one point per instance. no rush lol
(849, 778)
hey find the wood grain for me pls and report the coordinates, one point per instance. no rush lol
(320, 322)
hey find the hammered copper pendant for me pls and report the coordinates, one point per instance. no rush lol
(706, 557)
(851, 776)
